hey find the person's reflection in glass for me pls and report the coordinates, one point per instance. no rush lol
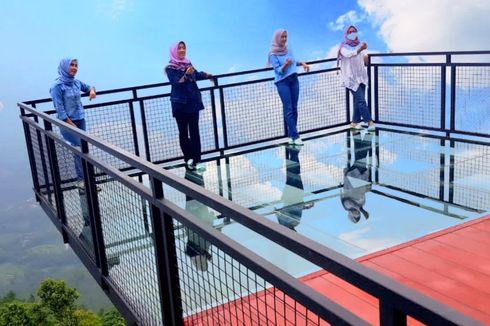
(197, 248)
(85, 235)
(293, 193)
(356, 178)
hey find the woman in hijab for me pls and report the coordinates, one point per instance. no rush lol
(286, 79)
(65, 94)
(186, 103)
(354, 75)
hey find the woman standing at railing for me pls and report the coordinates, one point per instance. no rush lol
(186, 103)
(354, 75)
(67, 101)
(282, 60)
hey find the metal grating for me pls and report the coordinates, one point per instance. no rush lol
(130, 249)
(163, 134)
(410, 95)
(218, 290)
(473, 99)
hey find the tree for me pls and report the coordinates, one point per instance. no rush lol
(15, 313)
(56, 307)
(87, 318)
(112, 318)
(9, 297)
(59, 299)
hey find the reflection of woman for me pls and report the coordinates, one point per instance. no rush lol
(354, 75)
(85, 235)
(67, 101)
(186, 103)
(356, 180)
(197, 248)
(282, 60)
(293, 193)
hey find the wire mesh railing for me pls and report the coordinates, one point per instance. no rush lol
(162, 265)
(447, 91)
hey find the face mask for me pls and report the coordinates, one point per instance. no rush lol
(352, 36)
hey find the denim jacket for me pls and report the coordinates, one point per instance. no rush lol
(186, 92)
(67, 99)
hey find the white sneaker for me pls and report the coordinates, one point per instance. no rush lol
(200, 167)
(371, 127)
(190, 164)
(298, 142)
(356, 126)
(80, 185)
(290, 141)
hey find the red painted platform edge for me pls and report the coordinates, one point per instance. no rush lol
(433, 235)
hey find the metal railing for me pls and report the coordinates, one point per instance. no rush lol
(443, 91)
(131, 237)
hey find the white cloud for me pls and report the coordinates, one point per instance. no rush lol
(1, 106)
(232, 69)
(430, 25)
(349, 18)
(114, 9)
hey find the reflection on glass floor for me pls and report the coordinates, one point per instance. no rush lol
(354, 192)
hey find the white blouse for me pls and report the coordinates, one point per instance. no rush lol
(353, 71)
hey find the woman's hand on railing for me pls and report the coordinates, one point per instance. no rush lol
(306, 68)
(92, 94)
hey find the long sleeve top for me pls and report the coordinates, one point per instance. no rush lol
(67, 100)
(186, 92)
(277, 61)
(352, 68)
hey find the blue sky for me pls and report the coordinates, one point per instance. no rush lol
(121, 43)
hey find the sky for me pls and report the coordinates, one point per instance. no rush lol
(121, 43)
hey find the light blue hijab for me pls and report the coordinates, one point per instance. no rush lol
(64, 72)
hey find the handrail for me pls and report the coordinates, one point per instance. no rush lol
(403, 298)
(335, 312)
(397, 54)
(147, 86)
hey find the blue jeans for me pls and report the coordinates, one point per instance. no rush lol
(288, 90)
(75, 141)
(361, 109)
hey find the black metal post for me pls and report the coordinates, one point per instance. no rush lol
(166, 261)
(369, 98)
(451, 172)
(133, 129)
(30, 153)
(145, 131)
(348, 145)
(376, 150)
(228, 178)
(94, 213)
(223, 117)
(442, 169)
(453, 98)
(43, 163)
(55, 173)
(389, 315)
(347, 106)
(376, 94)
(220, 178)
(443, 97)
(215, 119)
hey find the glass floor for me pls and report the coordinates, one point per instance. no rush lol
(354, 192)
